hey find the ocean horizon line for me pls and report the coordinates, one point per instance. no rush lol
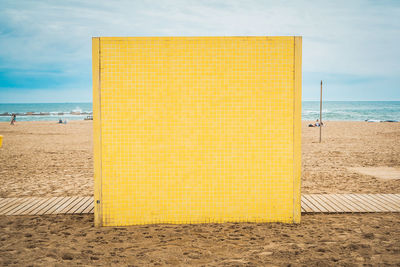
(332, 110)
(91, 102)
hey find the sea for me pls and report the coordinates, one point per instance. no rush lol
(331, 111)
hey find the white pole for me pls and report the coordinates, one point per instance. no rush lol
(320, 116)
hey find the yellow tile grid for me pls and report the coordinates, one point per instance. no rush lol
(196, 129)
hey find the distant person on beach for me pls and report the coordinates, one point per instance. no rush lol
(13, 119)
(317, 124)
(60, 121)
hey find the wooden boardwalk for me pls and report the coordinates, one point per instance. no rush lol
(310, 203)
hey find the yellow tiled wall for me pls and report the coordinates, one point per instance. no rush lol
(196, 129)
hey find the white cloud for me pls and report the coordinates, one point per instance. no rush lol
(340, 37)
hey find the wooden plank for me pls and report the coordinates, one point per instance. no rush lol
(392, 197)
(395, 196)
(317, 202)
(310, 203)
(85, 204)
(26, 202)
(90, 207)
(383, 201)
(77, 205)
(42, 206)
(324, 203)
(70, 205)
(8, 204)
(27, 207)
(357, 203)
(395, 201)
(64, 205)
(331, 203)
(22, 205)
(3, 201)
(34, 206)
(52, 204)
(344, 204)
(360, 203)
(304, 199)
(378, 208)
(305, 206)
(6, 201)
(11, 205)
(379, 202)
(59, 203)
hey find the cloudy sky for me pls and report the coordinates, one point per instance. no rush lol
(353, 45)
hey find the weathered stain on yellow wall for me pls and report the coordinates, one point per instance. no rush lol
(196, 129)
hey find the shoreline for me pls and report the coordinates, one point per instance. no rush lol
(332, 110)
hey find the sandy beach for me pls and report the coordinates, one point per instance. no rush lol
(47, 159)
(50, 159)
(320, 240)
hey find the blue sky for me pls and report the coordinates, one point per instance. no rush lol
(45, 46)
